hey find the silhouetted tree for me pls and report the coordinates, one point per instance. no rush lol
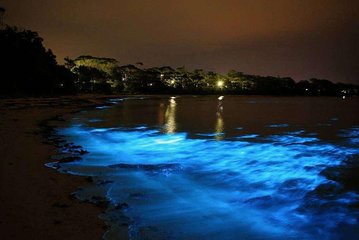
(2, 13)
(91, 79)
(27, 67)
(132, 78)
(323, 87)
(96, 74)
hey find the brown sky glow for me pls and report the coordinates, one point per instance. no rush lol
(297, 38)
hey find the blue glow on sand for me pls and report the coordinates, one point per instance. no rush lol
(170, 186)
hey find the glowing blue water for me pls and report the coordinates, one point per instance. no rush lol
(249, 186)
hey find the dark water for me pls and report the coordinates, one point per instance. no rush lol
(237, 168)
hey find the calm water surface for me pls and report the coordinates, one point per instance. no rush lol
(241, 168)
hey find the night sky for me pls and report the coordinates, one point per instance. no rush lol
(297, 38)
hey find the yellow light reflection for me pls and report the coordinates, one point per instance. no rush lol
(170, 117)
(219, 123)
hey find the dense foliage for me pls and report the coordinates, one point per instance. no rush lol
(104, 74)
(27, 67)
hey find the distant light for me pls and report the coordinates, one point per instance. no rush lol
(220, 98)
(306, 89)
(220, 84)
(162, 75)
(343, 97)
(172, 82)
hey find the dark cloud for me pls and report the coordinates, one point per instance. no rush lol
(298, 38)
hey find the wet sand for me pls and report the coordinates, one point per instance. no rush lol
(35, 201)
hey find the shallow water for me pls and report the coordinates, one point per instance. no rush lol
(241, 168)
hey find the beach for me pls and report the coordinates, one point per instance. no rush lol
(151, 172)
(35, 201)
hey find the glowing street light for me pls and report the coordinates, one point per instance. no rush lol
(220, 84)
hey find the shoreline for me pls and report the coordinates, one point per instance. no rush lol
(35, 201)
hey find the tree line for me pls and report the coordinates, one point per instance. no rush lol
(106, 75)
(27, 67)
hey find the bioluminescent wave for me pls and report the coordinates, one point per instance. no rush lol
(168, 185)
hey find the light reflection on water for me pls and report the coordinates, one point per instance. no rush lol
(170, 123)
(246, 186)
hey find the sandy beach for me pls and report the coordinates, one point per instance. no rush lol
(35, 201)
